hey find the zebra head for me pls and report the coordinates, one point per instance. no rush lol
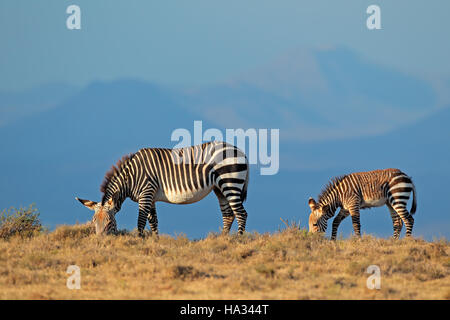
(317, 217)
(104, 216)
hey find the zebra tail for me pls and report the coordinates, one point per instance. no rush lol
(414, 203)
(244, 188)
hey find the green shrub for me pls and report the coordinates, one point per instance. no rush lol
(23, 222)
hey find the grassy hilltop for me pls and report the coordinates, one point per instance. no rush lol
(287, 264)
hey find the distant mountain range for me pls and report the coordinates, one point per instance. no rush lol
(336, 112)
(320, 94)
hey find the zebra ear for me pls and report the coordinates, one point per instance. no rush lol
(87, 203)
(312, 203)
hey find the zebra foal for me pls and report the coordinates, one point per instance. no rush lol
(180, 176)
(361, 190)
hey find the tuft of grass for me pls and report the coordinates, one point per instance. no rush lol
(183, 272)
(265, 270)
(22, 222)
(77, 231)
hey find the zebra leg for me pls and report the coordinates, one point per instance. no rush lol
(235, 201)
(153, 220)
(407, 218)
(337, 221)
(227, 212)
(145, 211)
(142, 220)
(234, 197)
(354, 212)
(396, 221)
(241, 216)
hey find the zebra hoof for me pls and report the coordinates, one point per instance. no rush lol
(141, 234)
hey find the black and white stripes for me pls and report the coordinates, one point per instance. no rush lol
(361, 190)
(180, 176)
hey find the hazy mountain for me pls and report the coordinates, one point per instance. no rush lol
(15, 105)
(319, 94)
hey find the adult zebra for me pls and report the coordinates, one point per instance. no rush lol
(362, 190)
(180, 176)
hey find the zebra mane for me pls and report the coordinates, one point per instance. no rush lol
(326, 191)
(113, 172)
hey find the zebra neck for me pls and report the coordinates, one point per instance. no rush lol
(122, 186)
(117, 195)
(332, 202)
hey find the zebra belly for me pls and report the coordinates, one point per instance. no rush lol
(370, 203)
(184, 197)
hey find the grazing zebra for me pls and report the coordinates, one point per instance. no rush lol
(181, 176)
(362, 190)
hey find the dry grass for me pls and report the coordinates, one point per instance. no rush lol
(289, 264)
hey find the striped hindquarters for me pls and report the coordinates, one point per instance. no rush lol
(400, 187)
(230, 171)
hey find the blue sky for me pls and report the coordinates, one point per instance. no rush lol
(202, 42)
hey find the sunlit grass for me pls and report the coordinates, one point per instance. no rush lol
(287, 264)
